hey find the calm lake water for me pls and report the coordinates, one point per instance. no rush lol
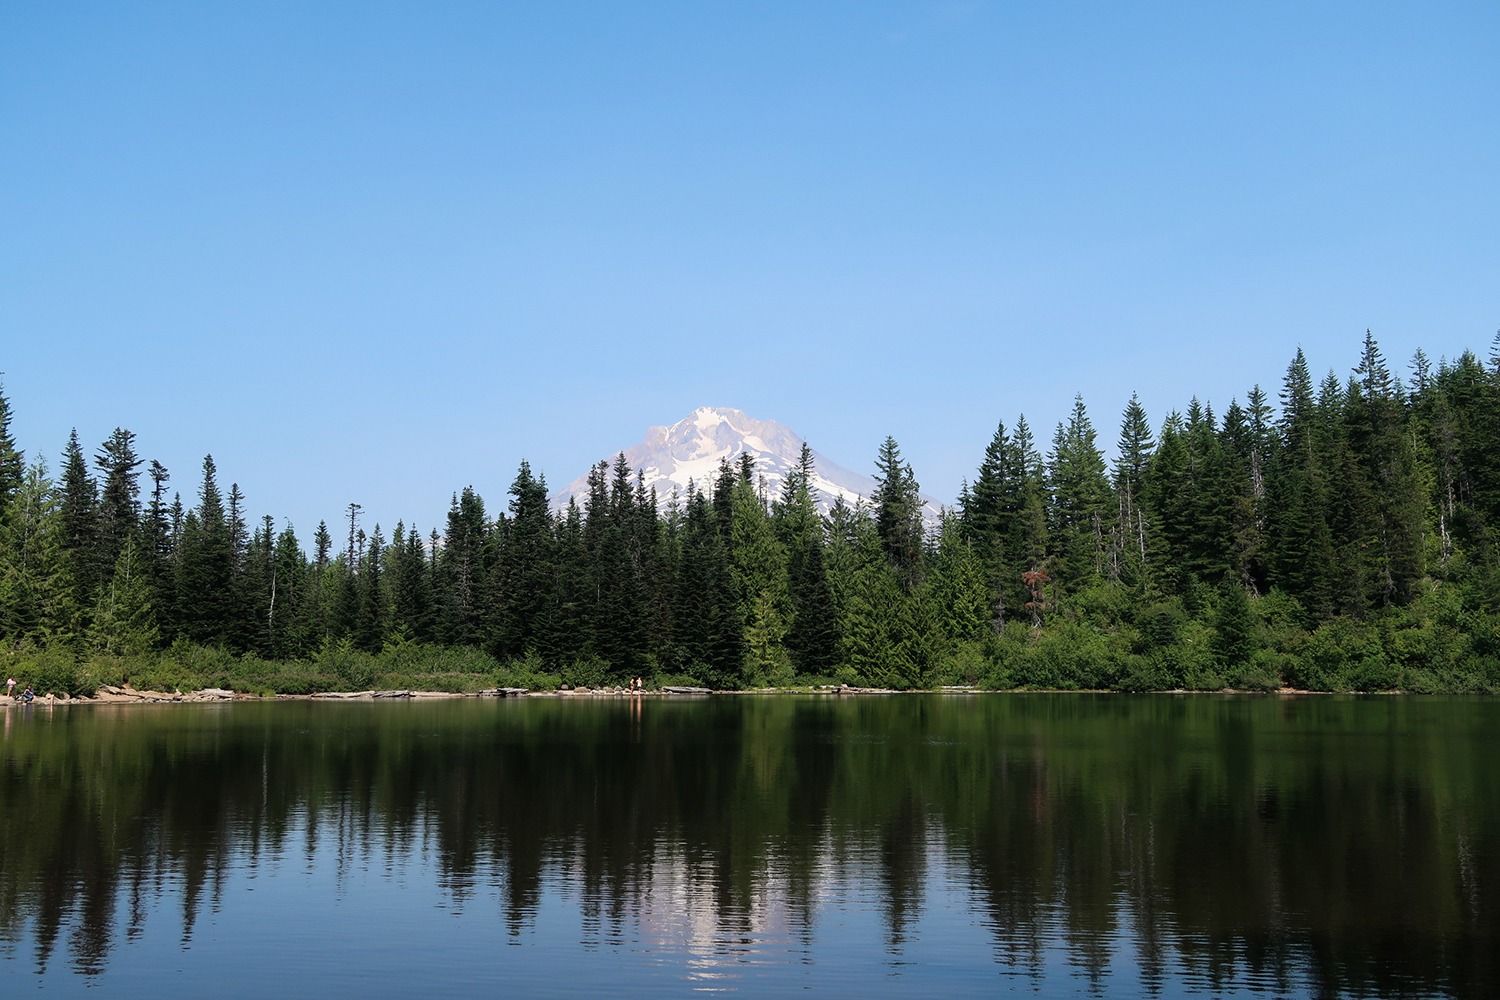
(1055, 845)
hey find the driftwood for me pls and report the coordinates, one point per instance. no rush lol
(674, 689)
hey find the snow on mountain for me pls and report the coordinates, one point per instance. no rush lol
(692, 448)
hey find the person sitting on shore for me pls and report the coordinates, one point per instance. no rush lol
(28, 695)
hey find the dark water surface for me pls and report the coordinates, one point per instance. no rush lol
(899, 846)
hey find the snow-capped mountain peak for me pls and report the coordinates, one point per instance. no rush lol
(692, 450)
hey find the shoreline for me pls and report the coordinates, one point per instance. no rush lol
(127, 695)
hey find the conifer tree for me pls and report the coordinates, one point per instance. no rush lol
(897, 506)
(79, 509)
(1128, 546)
(370, 619)
(463, 572)
(119, 500)
(411, 585)
(12, 459)
(36, 588)
(812, 636)
(158, 551)
(759, 569)
(527, 572)
(955, 588)
(124, 623)
(567, 638)
(285, 626)
(708, 629)
(1081, 505)
(1384, 451)
(204, 575)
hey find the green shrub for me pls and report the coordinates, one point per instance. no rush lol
(1145, 673)
(355, 669)
(50, 671)
(1342, 655)
(965, 663)
(588, 671)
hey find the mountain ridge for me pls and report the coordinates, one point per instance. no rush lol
(691, 450)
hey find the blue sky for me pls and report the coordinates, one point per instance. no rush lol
(374, 252)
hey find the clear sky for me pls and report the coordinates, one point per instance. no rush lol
(374, 252)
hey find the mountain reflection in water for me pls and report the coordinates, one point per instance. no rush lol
(895, 845)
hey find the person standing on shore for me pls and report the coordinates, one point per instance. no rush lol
(10, 687)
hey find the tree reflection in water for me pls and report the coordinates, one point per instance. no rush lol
(1296, 845)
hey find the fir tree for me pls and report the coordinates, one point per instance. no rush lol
(12, 459)
(124, 623)
(79, 509)
(36, 587)
(897, 505)
(1128, 547)
(204, 570)
(119, 501)
(1081, 506)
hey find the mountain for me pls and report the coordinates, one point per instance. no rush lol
(692, 449)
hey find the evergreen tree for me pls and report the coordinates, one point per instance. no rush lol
(1128, 547)
(79, 509)
(12, 459)
(812, 636)
(955, 588)
(1081, 506)
(36, 588)
(1234, 625)
(897, 505)
(204, 572)
(527, 571)
(708, 629)
(286, 627)
(159, 552)
(1387, 460)
(411, 585)
(567, 638)
(124, 623)
(370, 619)
(119, 501)
(758, 565)
(463, 572)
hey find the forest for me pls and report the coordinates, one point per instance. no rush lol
(1347, 538)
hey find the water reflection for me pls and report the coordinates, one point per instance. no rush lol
(1315, 846)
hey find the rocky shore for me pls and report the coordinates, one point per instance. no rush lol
(126, 695)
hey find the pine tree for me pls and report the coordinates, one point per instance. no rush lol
(1384, 451)
(989, 513)
(12, 460)
(1081, 507)
(1128, 547)
(527, 570)
(1234, 625)
(204, 573)
(411, 586)
(285, 626)
(812, 636)
(79, 509)
(463, 573)
(36, 587)
(897, 505)
(708, 629)
(119, 500)
(758, 566)
(955, 588)
(371, 616)
(124, 623)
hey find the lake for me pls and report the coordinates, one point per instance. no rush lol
(949, 845)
